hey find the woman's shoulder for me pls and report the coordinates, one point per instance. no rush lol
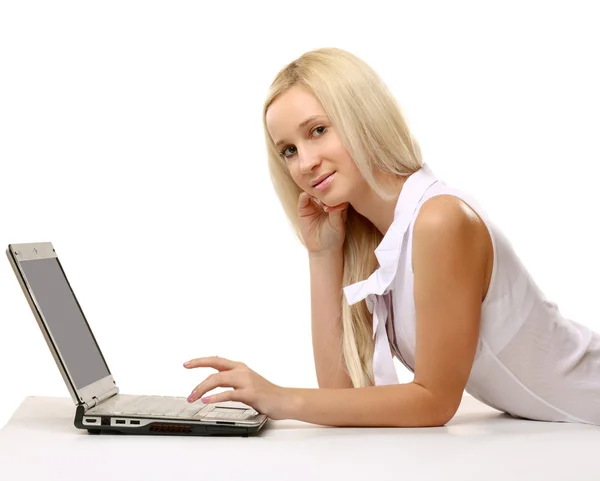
(449, 232)
(448, 214)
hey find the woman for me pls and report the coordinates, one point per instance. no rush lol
(426, 275)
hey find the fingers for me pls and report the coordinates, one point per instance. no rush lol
(307, 198)
(337, 208)
(303, 200)
(216, 362)
(341, 208)
(221, 379)
(230, 395)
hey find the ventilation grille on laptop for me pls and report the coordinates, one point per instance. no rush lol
(170, 428)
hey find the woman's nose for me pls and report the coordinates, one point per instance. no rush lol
(309, 159)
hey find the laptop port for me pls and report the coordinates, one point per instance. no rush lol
(120, 421)
(134, 422)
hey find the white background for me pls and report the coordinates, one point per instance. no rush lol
(131, 138)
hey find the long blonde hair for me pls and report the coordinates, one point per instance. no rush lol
(374, 132)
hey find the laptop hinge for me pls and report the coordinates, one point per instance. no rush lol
(103, 397)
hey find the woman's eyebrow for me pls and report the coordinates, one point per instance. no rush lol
(300, 125)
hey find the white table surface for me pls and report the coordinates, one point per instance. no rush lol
(40, 443)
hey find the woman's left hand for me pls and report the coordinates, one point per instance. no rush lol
(248, 387)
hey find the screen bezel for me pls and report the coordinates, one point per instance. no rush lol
(44, 250)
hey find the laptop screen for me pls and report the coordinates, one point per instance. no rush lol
(65, 321)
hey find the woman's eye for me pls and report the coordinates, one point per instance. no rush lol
(283, 152)
(320, 127)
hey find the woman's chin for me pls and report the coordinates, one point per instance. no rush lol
(332, 197)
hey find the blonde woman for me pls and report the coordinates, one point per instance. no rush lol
(402, 265)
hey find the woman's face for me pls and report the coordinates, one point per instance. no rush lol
(311, 147)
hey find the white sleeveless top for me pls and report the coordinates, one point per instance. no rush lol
(530, 361)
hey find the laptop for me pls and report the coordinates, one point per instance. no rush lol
(100, 407)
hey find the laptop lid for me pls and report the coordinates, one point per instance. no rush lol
(62, 322)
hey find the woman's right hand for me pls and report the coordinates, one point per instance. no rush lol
(323, 228)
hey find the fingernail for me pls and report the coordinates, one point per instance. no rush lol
(187, 363)
(205, 399)
(192, 397)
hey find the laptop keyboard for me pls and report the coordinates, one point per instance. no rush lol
(131, 405)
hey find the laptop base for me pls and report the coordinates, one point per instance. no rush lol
(168, 427)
